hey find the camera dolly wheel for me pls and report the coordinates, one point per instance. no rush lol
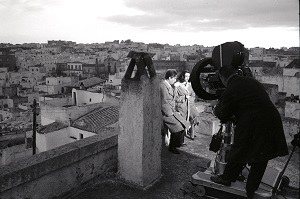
(200, 190)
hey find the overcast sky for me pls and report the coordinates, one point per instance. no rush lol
(255, 23)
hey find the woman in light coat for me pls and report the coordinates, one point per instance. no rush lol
(184, 102)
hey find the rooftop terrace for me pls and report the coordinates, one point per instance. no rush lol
(88, 169)
(177, 170)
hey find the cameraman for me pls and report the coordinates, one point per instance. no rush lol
(258, 136)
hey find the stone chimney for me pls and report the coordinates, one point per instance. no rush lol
(139, 145)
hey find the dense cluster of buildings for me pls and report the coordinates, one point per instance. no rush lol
(77, 87)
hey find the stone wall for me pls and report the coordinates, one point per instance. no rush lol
(51, 140)
(14, 153)
(291, 127)
(290, 71)
(290, 85)
(63, 171)
(272, 91)
(292, 110)
(269, 79)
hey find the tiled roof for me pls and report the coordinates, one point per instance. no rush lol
(12, 142)
(97, 119)
(193, 57)
(262, 64)
(89, 65)
(55, 126)
(110, 59)
(89, 82)
(294, 64)
(18, 110)
(269, 85)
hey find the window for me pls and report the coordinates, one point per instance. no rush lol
(81, 135)
(90, 99)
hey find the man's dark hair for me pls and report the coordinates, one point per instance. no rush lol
(170, 73)
(181, 77)
(227, 71)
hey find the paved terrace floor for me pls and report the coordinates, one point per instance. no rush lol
(176, 170)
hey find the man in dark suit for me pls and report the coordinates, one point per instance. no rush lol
(258, 136)
(172, 118)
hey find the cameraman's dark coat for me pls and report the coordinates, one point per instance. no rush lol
(171, 118)
(259, 133)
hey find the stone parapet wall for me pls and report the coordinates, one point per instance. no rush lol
(60, 171)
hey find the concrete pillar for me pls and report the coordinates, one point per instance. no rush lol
(139, 145)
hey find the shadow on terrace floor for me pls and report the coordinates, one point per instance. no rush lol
(176, 170)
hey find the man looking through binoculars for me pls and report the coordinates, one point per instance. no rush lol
(258, 136)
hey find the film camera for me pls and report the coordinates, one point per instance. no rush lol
(204, 76)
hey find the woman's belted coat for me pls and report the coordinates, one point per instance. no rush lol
(171, 118)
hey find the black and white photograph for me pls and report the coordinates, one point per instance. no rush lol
(153, 99)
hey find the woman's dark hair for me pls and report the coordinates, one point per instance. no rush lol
(181, 77)
(170, 73)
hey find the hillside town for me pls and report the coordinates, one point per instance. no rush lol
(58, 92)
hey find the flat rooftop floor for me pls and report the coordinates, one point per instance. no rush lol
(177, 170)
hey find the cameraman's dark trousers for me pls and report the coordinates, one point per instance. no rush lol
(257, 170)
